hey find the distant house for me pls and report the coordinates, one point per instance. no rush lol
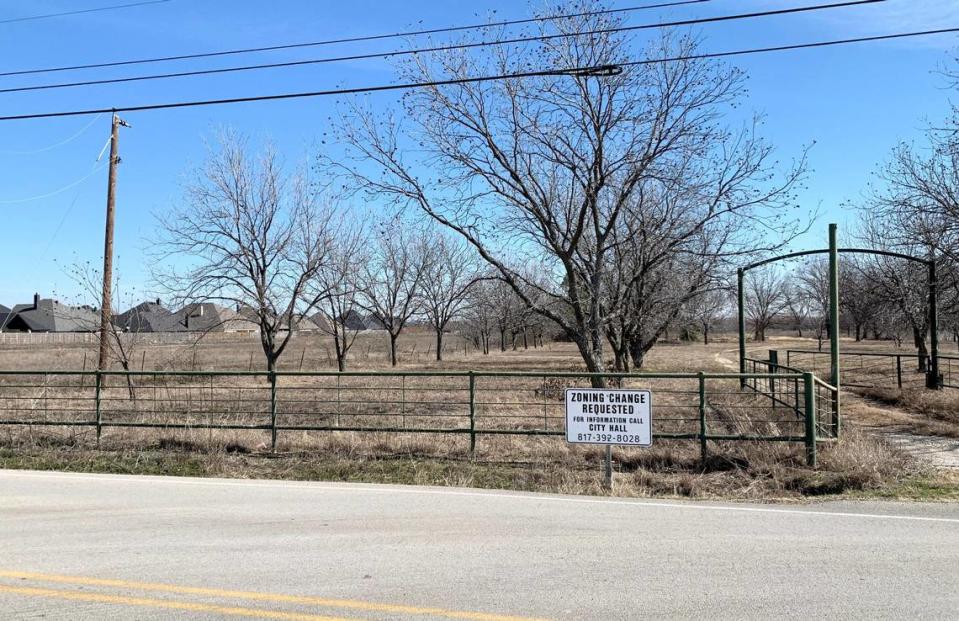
(4, 313)
(144, 317)
(207, 317)
(321, 322)
(373, 323)
(300, 322)
(47, 315)
(352, 320)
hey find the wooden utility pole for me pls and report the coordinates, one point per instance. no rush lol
(106, 304)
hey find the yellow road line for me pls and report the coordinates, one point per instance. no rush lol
(84, 596)
(259, 596)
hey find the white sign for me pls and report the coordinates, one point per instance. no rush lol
(599, 416)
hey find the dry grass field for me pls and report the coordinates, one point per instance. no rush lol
(858, 464)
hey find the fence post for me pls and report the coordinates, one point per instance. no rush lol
(773, 368)
(273, 411)
(740, 302)
(472, 414)
(97, 399)
(702, 417)
(796, 395)
(899, 371)
(834, 377)
(932, 377)
(810, 405)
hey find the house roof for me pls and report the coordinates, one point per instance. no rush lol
(321, 321)
(353, 321)
(205, 317)
(373, 322)
(300, 322)
(51, 316)
(144, 317)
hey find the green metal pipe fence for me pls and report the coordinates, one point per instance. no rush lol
(773, 383)
(870, 369)
(771, 403)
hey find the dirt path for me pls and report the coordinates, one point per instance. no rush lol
(726, 362)
(936, 451)
(894, 425)
(891, 423)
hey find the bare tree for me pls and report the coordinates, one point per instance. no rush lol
(248, 235)
(392, 280)
(481, 313)
(798, 306)
(122, 345)
(450, 270)
(917, 195)
(339, 285)
(859, 300)
(813, 280)
(765, 300)
(914, 209)
(708, 307)
(900, 283)
(507, 306)
(543, 170)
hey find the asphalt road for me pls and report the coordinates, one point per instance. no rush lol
(75, 546)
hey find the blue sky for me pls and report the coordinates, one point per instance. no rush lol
(855, 102)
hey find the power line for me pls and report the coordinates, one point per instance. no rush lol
(573, 71)
(444, 48)
(64, 216)
(17, 201)
(395, 35)
(79, 133)
(80, 11)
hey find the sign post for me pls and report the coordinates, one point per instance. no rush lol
(608, 417)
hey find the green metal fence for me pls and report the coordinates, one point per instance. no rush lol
(772, 379)
(776, 406)
(869, 369)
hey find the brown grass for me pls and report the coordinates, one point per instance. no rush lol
(922, 411)
(742, 470)
(858, 464)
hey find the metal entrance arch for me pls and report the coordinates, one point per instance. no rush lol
(932, 374)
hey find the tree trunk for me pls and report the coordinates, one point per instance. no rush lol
(502, 339)
(705, 334)
(920, 341)
(126, 367)
(618, 360)
(637, 353)
(393, 348)
(439, 344)
(339, 348)
(593, 357)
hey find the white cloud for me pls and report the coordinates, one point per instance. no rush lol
(891, 16)
(895, 16)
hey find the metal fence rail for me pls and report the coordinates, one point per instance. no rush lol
(776, 406)
(877, 369)
(780, 384)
